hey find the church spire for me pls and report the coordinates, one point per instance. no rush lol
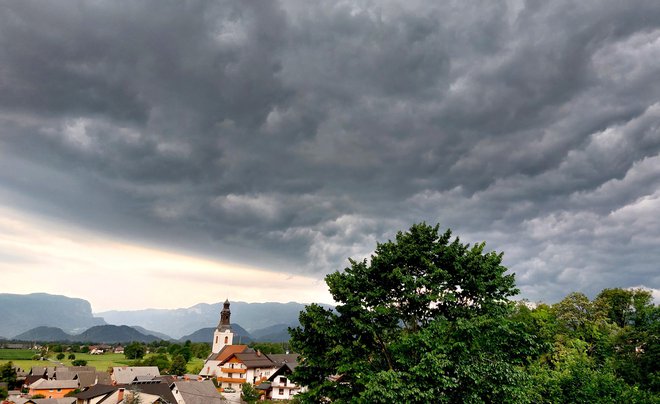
(223, 336)
(225, 314)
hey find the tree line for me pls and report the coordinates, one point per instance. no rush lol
(431, 319)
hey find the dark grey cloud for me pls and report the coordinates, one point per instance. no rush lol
(296, 134)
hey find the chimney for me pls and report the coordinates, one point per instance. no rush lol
(258, 352)
(120, 394)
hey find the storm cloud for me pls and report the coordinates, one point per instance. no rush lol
(292, 135)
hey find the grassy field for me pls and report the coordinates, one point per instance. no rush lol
(23, 359)
(17, 354)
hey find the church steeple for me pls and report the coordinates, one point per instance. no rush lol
(225, 314)
(222, 336)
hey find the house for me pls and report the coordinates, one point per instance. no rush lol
(52, 388)
(248, 366)
(128, 374)
(278, 386)
(94, 350)
(281, 388)
(119, 349)
(211, 366)
(196, 392)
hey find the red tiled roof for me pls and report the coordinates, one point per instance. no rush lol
(229, 350)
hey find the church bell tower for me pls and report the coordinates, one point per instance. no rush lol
(222, 336)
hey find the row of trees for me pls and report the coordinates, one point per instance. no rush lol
(180, 355)
(137, 350)
(429, 319)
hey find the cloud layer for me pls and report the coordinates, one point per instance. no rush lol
(292, 135)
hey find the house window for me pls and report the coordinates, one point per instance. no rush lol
(283, 380)
(226, 340)
(216, 339)
(281, 392)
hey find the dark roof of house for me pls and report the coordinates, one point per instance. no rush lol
(285, 369)
(89, 378)
(263, 386)
(103, 378)
(65, 375)
(254, 360)
(96, 391)
(168, 379)
(33, 378)
(158, 389)
(281, 359)
(194, 392)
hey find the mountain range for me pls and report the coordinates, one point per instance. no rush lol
(20, 315)
(179, 322)
(109, 334)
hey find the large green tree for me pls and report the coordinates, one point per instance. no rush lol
(8, 374)
(424, 320)
(135, 350)
(178, 366)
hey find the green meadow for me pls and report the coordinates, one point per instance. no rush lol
(23, 359)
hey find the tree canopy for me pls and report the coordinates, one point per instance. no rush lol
(422, 320)
(135, 350)
(428, 319)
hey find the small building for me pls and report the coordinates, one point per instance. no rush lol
(281, 388)
(248, 366)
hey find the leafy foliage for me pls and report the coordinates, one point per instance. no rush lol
(424, 320)
(249, 394)
(159, 360)
(8, 374)
(178, 366)
(268, 347)
(135, 350)
(427, 319)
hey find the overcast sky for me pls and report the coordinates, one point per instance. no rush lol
(190, 151)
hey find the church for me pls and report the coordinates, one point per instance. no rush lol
(232, 365)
